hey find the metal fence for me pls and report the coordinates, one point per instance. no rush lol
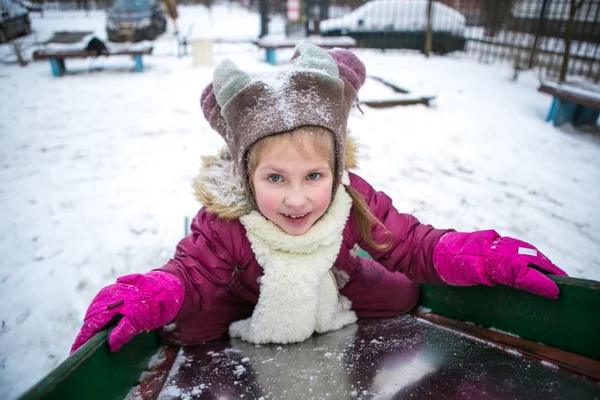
(59, 7)
(526, 33)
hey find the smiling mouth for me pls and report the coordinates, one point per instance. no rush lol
(296, 216)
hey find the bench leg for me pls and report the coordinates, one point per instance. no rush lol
(270, 56)
(58, 66)
(139, 66)
(182, 47)
(553, 109)
(586, 116)
(565, 113)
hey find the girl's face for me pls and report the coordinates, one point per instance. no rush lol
(292, 187)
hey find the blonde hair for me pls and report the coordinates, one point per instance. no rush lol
(311, 141)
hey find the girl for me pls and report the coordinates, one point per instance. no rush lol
(271, 257)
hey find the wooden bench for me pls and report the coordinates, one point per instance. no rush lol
(402, 96)
(272, 44)
(574, 102)
(57, 57)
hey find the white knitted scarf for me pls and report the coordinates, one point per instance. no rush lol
(297, 294)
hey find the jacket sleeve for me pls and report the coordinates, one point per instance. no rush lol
(204, 263)
(412, 244)
(376, 292)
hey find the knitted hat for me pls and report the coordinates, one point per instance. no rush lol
(316, 88)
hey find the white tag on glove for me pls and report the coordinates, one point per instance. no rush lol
(527, 252)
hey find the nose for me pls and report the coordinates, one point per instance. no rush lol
(295, 198)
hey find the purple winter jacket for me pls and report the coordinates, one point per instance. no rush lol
(221, 276)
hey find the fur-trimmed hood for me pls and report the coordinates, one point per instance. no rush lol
(220, 190)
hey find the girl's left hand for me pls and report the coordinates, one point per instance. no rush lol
(484, 257)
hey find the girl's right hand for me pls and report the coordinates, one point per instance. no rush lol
(145, 302)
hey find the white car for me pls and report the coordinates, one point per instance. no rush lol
(398, 15)
(403, 21)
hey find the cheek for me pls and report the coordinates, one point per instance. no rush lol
(322, 198)
(267, 200)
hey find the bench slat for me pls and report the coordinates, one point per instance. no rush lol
(575, 103)
(271, 44)
(345, 42)
(62, 54)
(574, 95)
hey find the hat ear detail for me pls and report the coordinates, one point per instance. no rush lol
(351, 69)
(309, 56)
(228, 80)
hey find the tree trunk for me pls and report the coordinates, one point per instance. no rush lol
(429, 33)
(264, 18)
(496, 13)
(568, 35)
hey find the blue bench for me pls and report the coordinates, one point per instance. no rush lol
(57, 57)
(272, 44)
(575, 103)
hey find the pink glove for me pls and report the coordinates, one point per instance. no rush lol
(465, 259)
(146, 302)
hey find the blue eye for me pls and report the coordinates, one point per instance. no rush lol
(275, 178)
(314, 176)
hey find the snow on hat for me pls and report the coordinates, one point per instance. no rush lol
(315, 88)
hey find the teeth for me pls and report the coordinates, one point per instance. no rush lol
(295, 216)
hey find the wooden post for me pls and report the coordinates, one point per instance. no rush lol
(17, 49)
(429, 33)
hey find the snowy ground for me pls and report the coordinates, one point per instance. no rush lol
(95, 170)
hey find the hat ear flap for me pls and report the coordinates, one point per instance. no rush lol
(212, 110)
(228, 80)
(309, 56)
